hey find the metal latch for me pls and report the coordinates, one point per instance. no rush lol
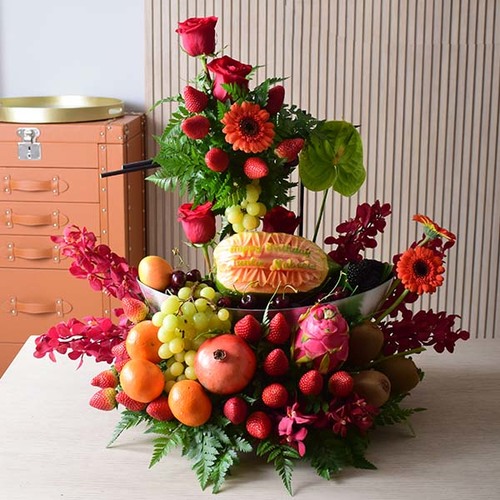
(29, 149)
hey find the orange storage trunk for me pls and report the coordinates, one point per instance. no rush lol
(49, 178)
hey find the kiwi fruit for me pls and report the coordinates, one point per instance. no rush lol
(373, 386)
(365, 342)
(402, 372)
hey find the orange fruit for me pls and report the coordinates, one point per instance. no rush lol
(142, 380)
(155, 272)
(189, 403)
(142, 341)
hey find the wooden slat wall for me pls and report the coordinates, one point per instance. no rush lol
(421, 77)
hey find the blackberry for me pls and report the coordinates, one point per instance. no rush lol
(365, 274)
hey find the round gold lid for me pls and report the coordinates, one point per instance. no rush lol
(59, 109)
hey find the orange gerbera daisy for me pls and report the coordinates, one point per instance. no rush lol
(433, 230)
(247, 127)
(420, 270)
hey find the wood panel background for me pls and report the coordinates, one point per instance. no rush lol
(421, 77)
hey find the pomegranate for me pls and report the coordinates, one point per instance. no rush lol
(225, 364)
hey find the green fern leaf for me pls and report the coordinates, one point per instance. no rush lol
(392, 413)
(128, 420)
(225, 461)
(358, 445)
(283, 458)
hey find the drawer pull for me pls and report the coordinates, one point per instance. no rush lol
(49, 253)
(59, 307)
(54, 185)
(54, 219)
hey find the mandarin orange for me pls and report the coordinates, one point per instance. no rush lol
(142, 341)
(142, 380)
(189, 403)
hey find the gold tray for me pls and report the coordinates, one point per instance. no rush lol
(59, 109)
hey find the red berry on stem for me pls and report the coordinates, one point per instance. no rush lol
(105, 379)
(104, 399)
(248, 328)
(194, 99)
(258, 425)
(255, 168)
(235, 410)
(275, 98)
(196, 127)
(159, 409)
(275, 395)
(217, 160)
(289, 149)
(279, 329)
(311, 383)
(276, 363)
(129, 403)
(341, 384)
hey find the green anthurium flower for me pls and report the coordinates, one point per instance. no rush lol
(333, 157)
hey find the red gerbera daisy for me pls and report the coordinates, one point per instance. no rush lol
(433, 230)
(247, 127)
(420, 270)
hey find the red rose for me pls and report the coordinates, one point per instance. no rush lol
(228, 70)
(198, 223)
(280, 220)
(198, 35)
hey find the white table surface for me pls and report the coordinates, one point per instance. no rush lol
(53, 444)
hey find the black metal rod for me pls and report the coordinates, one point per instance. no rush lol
(131, 167)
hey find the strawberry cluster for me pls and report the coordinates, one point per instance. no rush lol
(281, 390)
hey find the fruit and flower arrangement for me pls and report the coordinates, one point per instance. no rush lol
(279, 347)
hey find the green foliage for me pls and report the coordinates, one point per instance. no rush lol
(392, 412)
(333, 157)
(213, 448)
(329, 454)
(282, 456)
(128, 420)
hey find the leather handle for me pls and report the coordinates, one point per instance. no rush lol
(49, 253)
(54, 185)
(54, 219)
(59, 307)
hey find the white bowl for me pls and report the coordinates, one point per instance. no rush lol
(352, 307)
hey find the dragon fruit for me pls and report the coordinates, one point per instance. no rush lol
(322, 338)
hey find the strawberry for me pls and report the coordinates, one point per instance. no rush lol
(289, 149)
(119, 351)
(255, 168)
(104, 399)
(279, 329)
(311, 383)
(248, 328)
(258, 425)
(159, 408)
(196, 127)
(217, 160)
(276, 363)
(129, 403)
(105, 379)
(236, 410)
(275, 99)
(341, 384)
(134, 309)
(119, 364)
(275, 395)
(195, 100)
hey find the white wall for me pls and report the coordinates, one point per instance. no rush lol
(86, 47)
